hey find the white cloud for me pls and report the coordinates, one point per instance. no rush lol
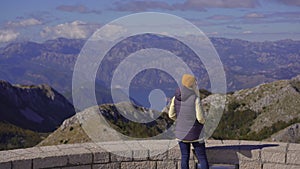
(254, 15)
(24, 23)
(110, 32)
(8, 35)
(247, 32)
(75, 30)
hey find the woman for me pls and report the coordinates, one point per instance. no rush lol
(186, 109)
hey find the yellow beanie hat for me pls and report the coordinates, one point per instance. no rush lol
(188, 80)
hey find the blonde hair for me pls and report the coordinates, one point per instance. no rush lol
(189, 81)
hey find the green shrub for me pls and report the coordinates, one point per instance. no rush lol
(235, 124)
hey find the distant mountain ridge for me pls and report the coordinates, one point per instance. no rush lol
(38, 108)
(246, 64)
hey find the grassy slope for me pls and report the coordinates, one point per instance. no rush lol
(12, 137)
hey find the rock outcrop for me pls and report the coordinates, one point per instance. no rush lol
(38, 108)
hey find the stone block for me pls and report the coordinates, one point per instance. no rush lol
(271, 146)
(6, 156)
(157, 149)
(78, 159)
(24, 152)
(5, 165)
(99, 154)
(213, 142)
(167, 164)
(246, 142)
(139, 155)
(77, 156)
(101, 157)
(50, 161)
(49, 148)
(293, 146)
(90, 145)
(192, 164)
(250, 165)
(107, 166)
(78, 167)
(174, 154)
(119, 151)
(273, 157)
(139, 165)
(158, 155)
(68, 146)
(138, 151)
(32, 156)
(293, 157)
(22, 164)
(279, 166)
(219, 155)
(249, 155)
(222, 166)
(231, 142)
(119, 157)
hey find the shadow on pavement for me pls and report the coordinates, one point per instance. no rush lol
(229, 156)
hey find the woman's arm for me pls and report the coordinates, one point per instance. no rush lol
(199, 111)
(172, 112)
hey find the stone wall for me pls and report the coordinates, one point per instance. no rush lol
(238, 154)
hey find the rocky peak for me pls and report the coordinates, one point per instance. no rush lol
(44, 88)
(35, 107)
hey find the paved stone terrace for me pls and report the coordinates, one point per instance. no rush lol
(152, 154)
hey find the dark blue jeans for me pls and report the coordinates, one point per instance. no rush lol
(200, 153)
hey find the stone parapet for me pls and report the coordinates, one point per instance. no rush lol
(152, 154)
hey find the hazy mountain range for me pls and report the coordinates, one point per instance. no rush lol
(246, 64)
(256, 108)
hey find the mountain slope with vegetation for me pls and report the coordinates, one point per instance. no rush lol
(289, 134)
(28, 113)
(87, 125)
(39, 108)
(12, 137)
(252, 114)
(259, 112)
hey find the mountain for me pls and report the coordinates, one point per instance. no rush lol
(12, 137)
(289, 134)
(252, 63)
(48, 63)
(265, 112)
(87, 125)
(247, 64)
(259, 112)
(38, 108)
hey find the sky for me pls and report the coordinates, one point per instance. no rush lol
(253, 20)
